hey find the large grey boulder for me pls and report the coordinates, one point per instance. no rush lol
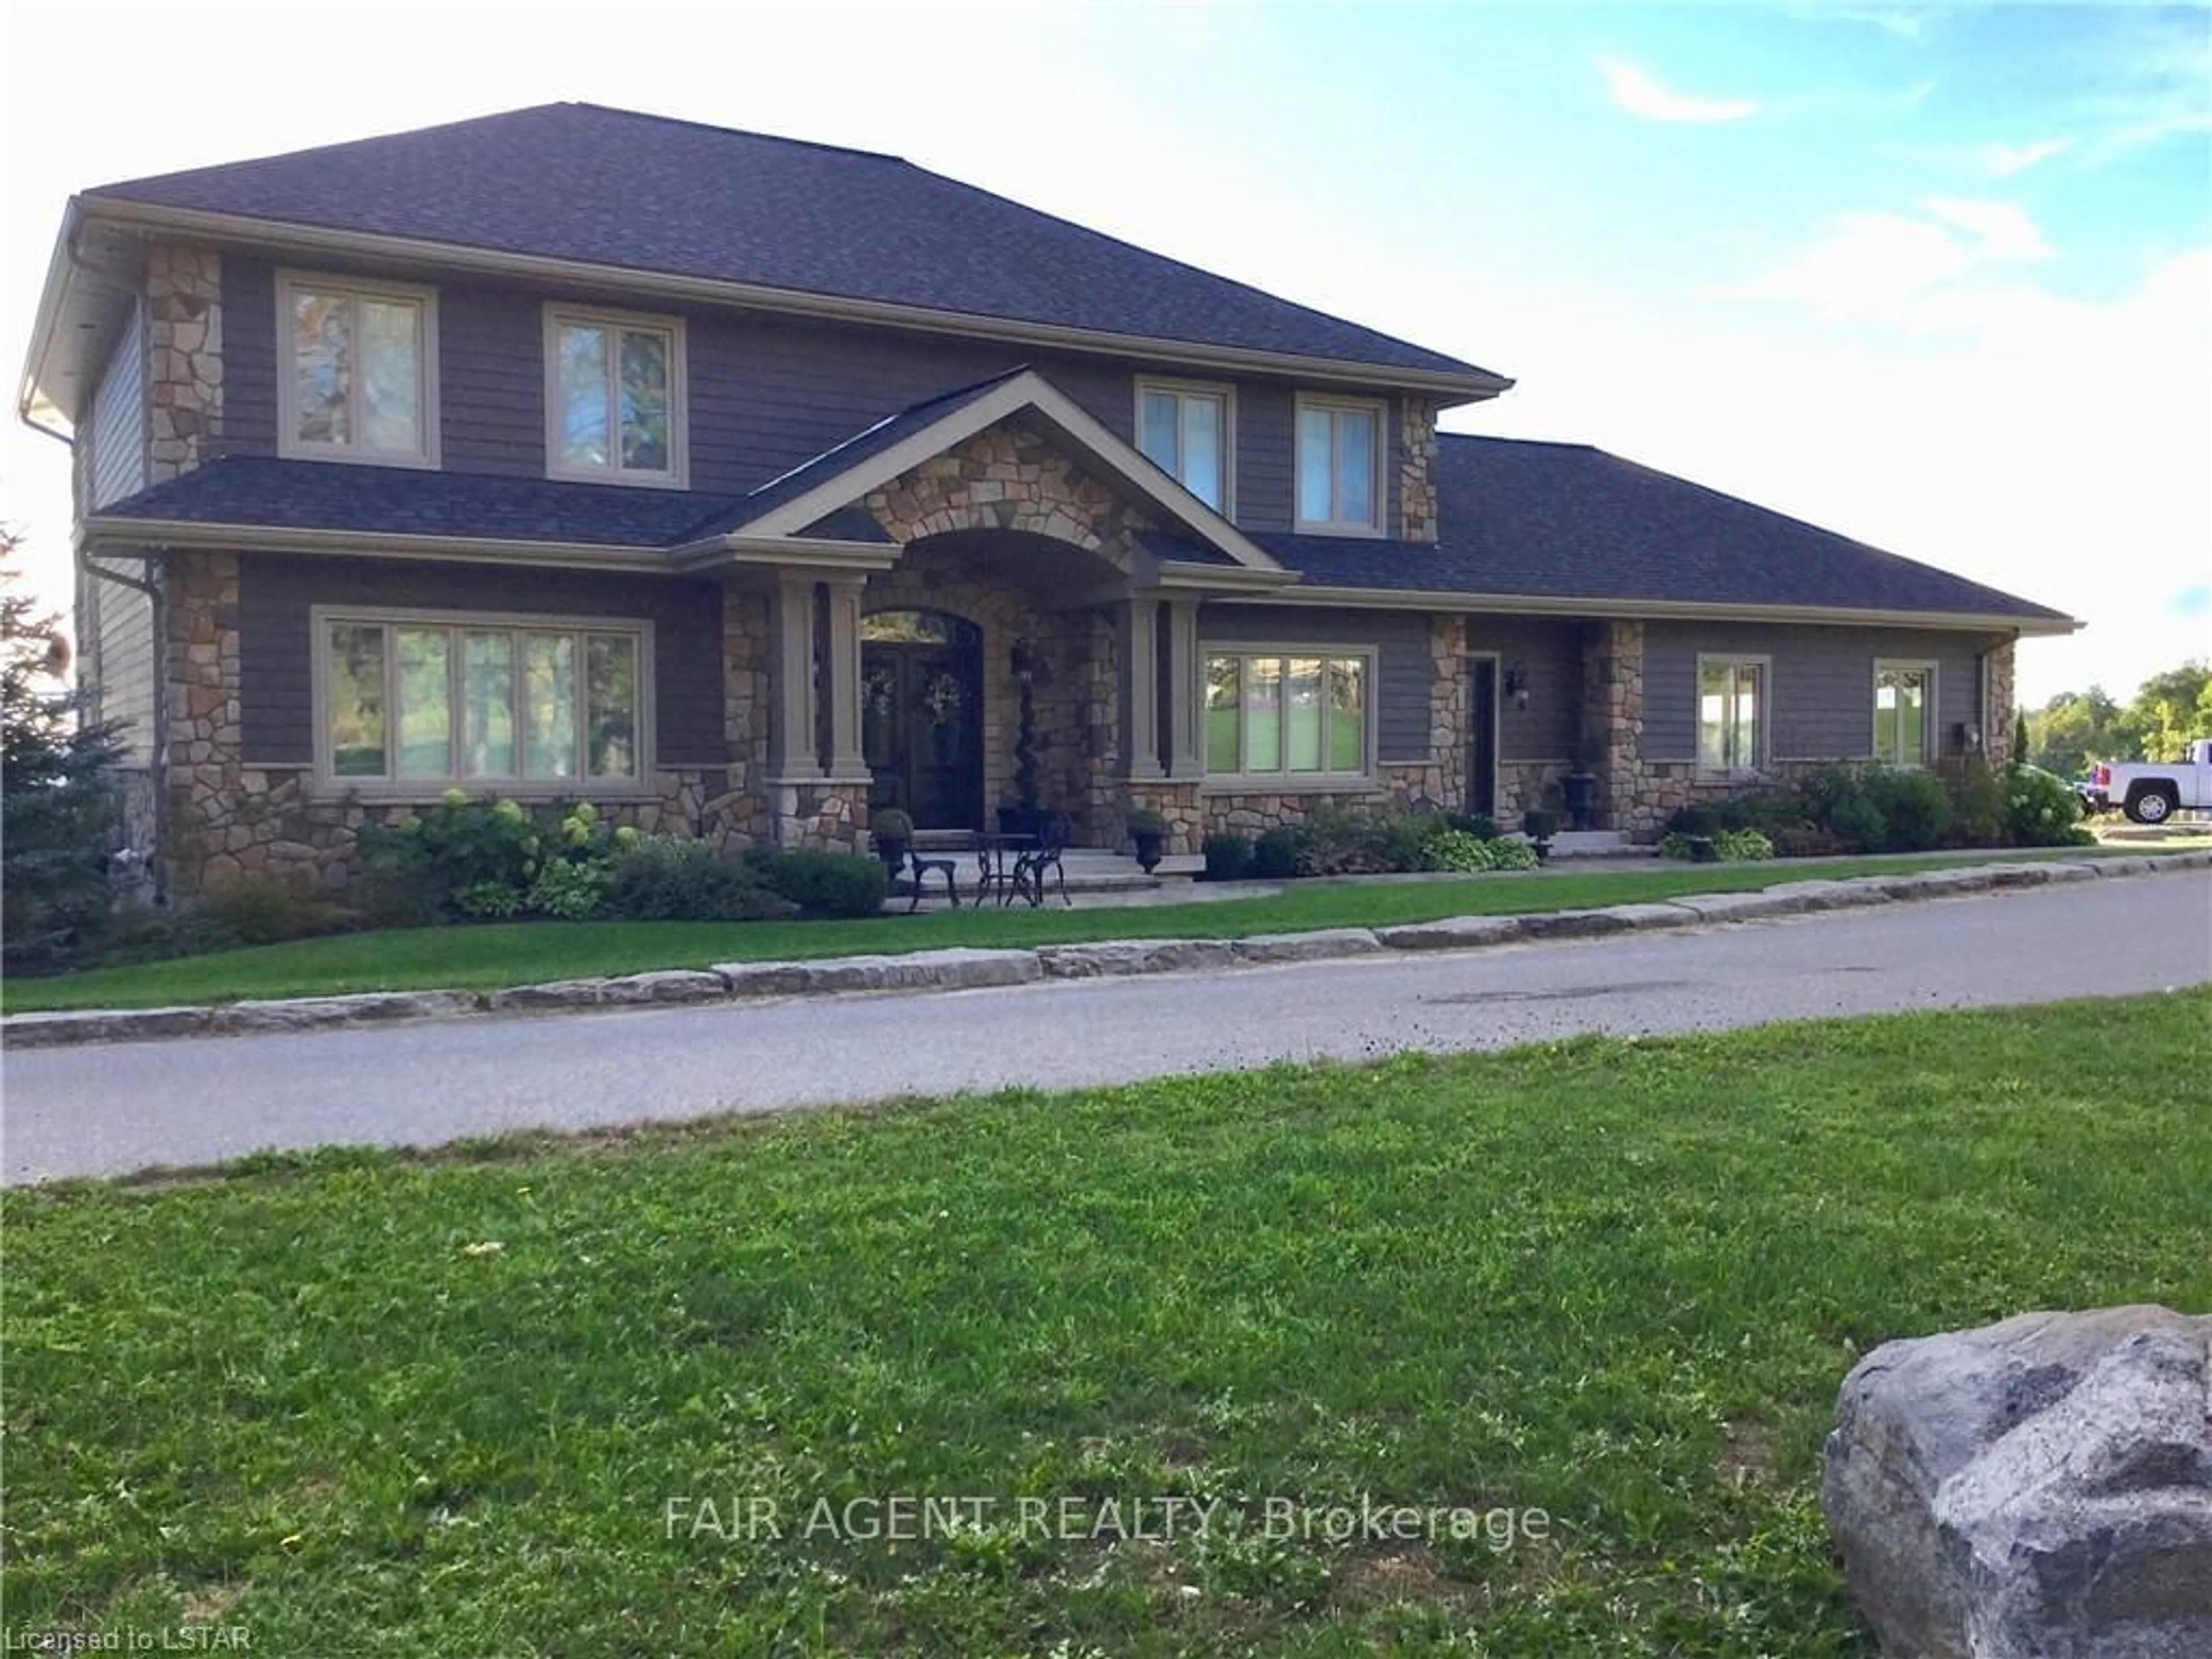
(2037, 1489)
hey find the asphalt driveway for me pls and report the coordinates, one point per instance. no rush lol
(104, 1110)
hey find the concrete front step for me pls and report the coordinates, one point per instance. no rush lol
(1592, 844)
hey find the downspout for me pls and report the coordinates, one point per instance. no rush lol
(158, 619)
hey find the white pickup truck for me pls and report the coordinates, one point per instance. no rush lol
(2151, 792)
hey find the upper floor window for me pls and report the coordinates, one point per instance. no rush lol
(1339, 464)
(614, 399)
(1186, 430)
(1904, 704)
(1731, 715)
(360, 382)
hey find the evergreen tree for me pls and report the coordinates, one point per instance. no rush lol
(58, 788)
(2019, 744)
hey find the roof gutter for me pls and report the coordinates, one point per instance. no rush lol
(61, 265)
(1465, 385)
(1524, 604)
(140, 534)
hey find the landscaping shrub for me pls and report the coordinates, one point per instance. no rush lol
(1473, 824)
(825, 884)
(1805, 841)
(463, 845)
(1915, 807)
(1228, 856)
(1344, 840)
(570, 891)
(2040, 811)
(1858, 823)
(384, 895)
(1406, 837)
(660, 878)
(1457, 849)
(1980, 810)
(1275, 855)
(1743, 846)
(1685, 823)
(261, 909)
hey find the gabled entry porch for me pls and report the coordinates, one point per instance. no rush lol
(991, 603)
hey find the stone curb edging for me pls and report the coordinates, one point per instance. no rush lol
(961, 969)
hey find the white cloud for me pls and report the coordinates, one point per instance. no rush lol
(2004, 160)
(1643, 94)
(1905, 268)
(2001, 231)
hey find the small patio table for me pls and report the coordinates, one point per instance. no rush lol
(999, 867)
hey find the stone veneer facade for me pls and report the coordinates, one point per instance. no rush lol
(184, 351)
(1416, 469)
(230, 817)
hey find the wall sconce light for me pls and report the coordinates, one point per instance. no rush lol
(1517, 685)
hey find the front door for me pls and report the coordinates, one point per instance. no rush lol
(921, 716)
(1482, 739)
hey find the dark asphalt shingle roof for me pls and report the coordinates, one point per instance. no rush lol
(1534, 521)
(1569, 522)
(253, 490)
(869, 441)
(614, 187)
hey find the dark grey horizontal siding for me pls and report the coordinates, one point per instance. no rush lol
(1266, 432)
(1549, 657)
(249, 355)
(491, 381)
(764, 392)
(1822, 685)
(275, 592)
(1403, 667)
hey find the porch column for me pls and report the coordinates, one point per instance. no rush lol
(1140, 688)
(1186, 692)
(847, 763)
(793, 756)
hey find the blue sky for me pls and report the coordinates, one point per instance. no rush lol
(1938, 278)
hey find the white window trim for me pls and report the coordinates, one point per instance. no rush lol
(1763, 741)
(289, 445)
(1227, 394)
(678, 476)
(1929, 727)
(1299, 783)
(1375, 406)
(327, 784)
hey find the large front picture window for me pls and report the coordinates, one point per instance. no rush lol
(1284, 714)
(614, 402)
(1731, 715)
(1904, 702)
(429, 701)
(358, 382)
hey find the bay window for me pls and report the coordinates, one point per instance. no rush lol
(1339, 465)
(358, 377)
(1287, 716)
(1731, 715)
(1185, 429)
(410, 700)
(614, 398)
(1904, 706)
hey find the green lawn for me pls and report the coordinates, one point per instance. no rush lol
(523, 953)
(359, 1404)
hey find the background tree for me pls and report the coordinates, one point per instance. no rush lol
(58, 799)
(2170, 710)
(2076, 729)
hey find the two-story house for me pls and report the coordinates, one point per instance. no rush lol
(735, 483)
